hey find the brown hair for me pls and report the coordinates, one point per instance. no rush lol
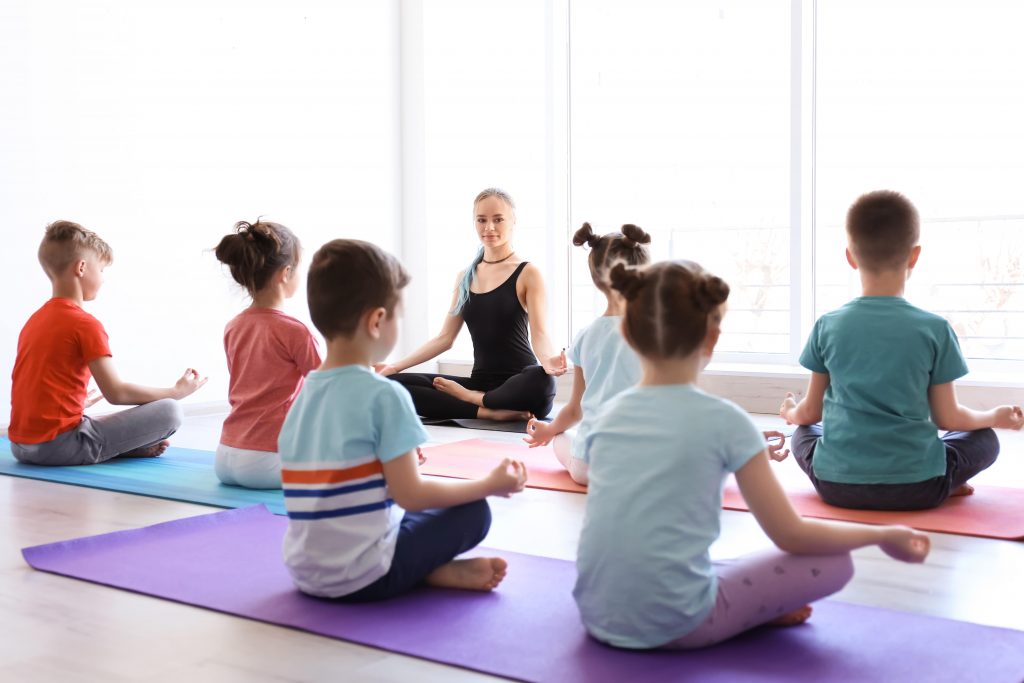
(346, 279)
(670, 306)
(65, 242)
(255, 251)
(883, 227)
(628, 246)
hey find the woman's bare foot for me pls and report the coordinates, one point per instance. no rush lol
(962, 490)
(147, 451)
(475, 574)
(503, 415)
(460, 392)
(794, 618)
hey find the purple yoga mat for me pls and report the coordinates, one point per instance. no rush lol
(529, 628)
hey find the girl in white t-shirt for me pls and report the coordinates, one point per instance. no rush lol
(659, 454)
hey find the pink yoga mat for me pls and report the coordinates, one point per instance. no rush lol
(529, 628)
(992, 512)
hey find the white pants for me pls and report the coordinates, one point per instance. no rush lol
(578, 469)
(249, 469)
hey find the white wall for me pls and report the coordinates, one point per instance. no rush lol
(158, 125)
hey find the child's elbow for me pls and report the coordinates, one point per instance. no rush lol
(408, 501)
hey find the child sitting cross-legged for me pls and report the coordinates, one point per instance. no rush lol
(362, 524)
(659, 454)
(882, 381)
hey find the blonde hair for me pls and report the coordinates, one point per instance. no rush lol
(66, 242)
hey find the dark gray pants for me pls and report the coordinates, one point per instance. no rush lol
(967, 454)
(97, 439)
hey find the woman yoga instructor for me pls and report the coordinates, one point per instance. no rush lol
(503, 303)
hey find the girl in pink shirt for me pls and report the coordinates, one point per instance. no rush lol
(269, 353)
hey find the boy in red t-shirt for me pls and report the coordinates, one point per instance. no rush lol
(59, 348)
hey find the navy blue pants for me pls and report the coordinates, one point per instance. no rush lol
(967, 454)
(532, 390)
(427, 540)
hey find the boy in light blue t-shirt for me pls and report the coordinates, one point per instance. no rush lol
(882, 381)
(362, 524)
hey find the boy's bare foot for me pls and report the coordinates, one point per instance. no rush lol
(460, 392)
(503, 415)
(147, 451)
(963, 490)
(475, 574)
(794, 618)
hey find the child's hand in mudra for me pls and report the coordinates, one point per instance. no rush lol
(538, 433)
(1009, 417)
(507, 478)
(775, 451)
(188, 383)
(906, 545)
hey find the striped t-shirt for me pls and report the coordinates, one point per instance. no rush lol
(342, 525)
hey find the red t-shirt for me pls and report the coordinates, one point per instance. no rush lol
(269, 354)
(51, 372)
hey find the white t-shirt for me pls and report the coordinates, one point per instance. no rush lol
(342, 525)
(659, 456)
(610, 366)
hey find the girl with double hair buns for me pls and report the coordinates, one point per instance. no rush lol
(605, 364)
(502, 301)
(659, 454)
(269, 352)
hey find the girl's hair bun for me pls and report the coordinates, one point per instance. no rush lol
(635, 236)
(710, 293)
(626, 280)
(585, 235)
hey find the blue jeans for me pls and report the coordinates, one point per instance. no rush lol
(427, 540)
(967, 454)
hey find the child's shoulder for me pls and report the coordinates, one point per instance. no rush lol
(63, 311)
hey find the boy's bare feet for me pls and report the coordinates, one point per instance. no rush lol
(475, 574)
(963, 490)
(794, 618)
(460, 392)
(147, 451)
(503, 415)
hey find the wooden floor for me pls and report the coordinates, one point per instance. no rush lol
(58, 629)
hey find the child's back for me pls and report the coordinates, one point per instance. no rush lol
(881, 355)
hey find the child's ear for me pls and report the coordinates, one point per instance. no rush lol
(915, 254)
(374, 320)
(711, 340)
(850, 259)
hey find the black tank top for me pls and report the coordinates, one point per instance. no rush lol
(499, 328)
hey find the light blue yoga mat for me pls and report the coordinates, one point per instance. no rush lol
(179, 474)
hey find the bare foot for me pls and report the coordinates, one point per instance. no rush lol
(963, 490)
(475, 574)
(794, 618)
(447, 386)
(503, 415)
(147, 451)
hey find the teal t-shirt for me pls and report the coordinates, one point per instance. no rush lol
(659, 456)
(881, 354)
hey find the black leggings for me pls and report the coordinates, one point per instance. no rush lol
(532, 390)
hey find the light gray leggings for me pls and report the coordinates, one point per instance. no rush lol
(97, 439)
(756, 588)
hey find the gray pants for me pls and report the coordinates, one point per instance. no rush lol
(97, 439)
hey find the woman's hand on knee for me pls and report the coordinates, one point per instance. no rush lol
(556, 365)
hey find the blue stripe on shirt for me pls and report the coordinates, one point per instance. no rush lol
(341, 512)
(341, 490)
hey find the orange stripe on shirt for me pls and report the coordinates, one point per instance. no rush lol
(331, 476)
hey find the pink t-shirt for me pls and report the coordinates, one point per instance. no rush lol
(269, 354)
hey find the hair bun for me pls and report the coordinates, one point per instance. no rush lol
(710, 293)
(626, 280)
(635, 236)
(585, 235)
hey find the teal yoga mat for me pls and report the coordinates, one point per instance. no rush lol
(179, 474)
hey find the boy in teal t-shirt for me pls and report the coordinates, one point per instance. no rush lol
(882, 382)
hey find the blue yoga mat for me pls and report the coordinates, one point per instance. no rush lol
(179, 474)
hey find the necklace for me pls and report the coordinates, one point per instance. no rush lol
(510, 254)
